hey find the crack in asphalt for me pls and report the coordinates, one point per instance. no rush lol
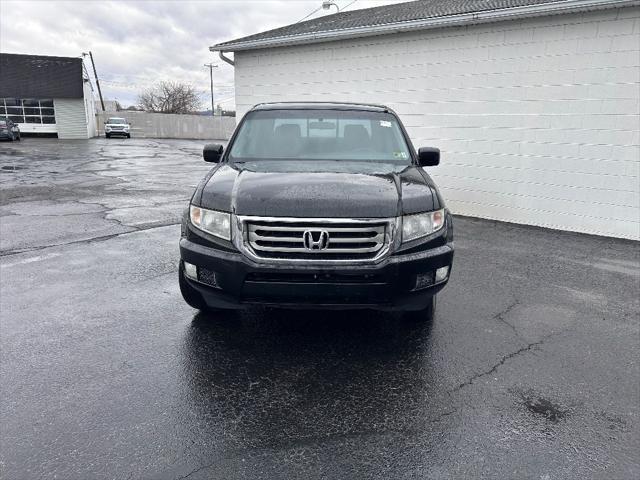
(108, 213)
(118, 221)
(196, 470)
(500, 316)
(502, 361)
(8, 253)
(56, 214)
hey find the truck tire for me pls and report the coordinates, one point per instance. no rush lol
(425, 315)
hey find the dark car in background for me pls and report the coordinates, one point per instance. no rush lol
(317, 205)
(9, 130)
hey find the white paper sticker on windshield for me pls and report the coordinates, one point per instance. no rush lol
(400, 154)
(385, 123)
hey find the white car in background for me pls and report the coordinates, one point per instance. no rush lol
(117, 126)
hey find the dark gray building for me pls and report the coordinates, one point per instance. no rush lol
(47, 95)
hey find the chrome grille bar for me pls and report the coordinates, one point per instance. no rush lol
(283, 239)
(261, 238)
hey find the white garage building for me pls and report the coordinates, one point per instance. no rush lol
(534, 103)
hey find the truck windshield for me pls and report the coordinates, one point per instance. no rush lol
(348, 135)
(117, 121)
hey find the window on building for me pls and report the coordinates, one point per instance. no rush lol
(28, 110)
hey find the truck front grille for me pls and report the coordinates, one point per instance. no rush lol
(316, 239)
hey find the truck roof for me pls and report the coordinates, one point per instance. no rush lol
(320, 106)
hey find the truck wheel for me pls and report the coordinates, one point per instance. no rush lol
(107, 135)
(425, 315)
(128, 135)
(19, 137)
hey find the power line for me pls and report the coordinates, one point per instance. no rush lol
(322, 6)
(125, 84)
(317, 9)
(347, 6)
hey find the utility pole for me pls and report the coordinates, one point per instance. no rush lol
(211, 67)
(95, 74)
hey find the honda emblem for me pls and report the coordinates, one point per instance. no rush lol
(315, 239)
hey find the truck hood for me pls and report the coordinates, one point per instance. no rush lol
(318, 189)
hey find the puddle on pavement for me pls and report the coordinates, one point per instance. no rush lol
(545, 408)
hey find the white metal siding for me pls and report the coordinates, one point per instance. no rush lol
(70, 118)
(89, 110)
(538, 120)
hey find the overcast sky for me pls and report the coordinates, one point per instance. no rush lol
(136, 43)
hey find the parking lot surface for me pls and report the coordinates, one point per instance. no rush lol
(530, 369)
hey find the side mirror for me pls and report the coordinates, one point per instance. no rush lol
(212, 152)
(428, 156)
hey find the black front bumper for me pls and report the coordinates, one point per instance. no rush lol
(230, 280)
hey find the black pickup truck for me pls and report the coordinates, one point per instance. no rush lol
(317, 205)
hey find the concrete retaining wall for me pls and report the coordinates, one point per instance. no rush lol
(162, 125)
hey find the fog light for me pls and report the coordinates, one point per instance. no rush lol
(424, 280)
(191, 271)
(209, 277)
(442, 273)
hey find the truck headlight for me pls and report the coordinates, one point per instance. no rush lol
(210, 221)
(421, 225)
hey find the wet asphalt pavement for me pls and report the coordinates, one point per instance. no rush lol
(530, 369)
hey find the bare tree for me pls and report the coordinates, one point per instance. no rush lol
(170, 97)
